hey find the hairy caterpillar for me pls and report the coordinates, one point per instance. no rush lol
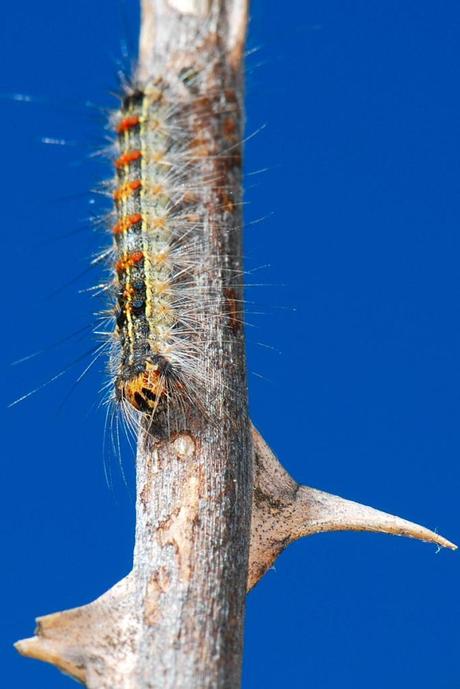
(175, 195)
(160, 193)
(171, 154)
(146, 267)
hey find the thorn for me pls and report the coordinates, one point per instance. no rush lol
(325, 512)
(283, 511)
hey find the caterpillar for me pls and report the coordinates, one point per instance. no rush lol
(159, 193)
(145, 265)
(176, 181)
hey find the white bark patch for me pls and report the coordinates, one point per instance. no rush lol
(199, 8)
(184, 446)
(178, 529)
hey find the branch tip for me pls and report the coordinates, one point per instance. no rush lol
(38, 648)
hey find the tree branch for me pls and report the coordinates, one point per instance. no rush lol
(175, 622)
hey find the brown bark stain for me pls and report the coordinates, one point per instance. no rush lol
(156, 587)
(229, 158)
(233, 310)
(177, 530)
(217, 141)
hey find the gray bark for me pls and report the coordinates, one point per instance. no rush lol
(194, 488)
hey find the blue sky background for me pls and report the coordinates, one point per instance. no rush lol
(360, 393)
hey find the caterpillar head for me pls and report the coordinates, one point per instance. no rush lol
(143, 389)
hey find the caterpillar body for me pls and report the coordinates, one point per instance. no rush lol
(143, 237)
(162, 154)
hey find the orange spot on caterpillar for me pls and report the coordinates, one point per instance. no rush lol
(129, 261)
(128, 123)
(127, 189)
(127, 222)
(136, 257)
(127, 159)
